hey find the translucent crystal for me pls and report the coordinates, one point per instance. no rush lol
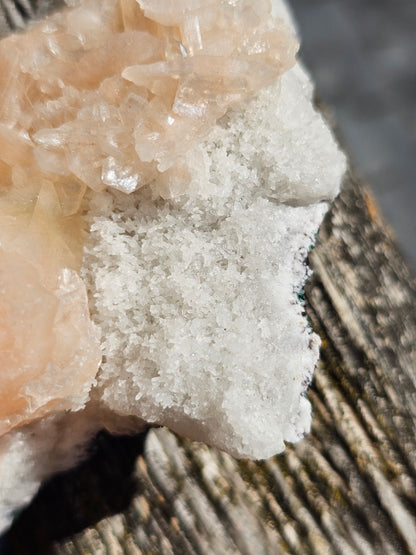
(66, 85)
(49, 352)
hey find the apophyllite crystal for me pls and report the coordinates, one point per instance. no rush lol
(152, 157)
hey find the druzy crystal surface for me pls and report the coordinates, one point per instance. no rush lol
(163, 174)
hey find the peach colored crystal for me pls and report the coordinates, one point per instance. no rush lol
(49, 351)
(47, 344)
(108, 93)
(114, 92)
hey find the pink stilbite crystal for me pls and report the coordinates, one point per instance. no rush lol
(48, 349)
(113, 93)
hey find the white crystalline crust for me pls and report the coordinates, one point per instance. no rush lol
(196, 297)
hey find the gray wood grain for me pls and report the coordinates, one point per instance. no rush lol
(15, 15)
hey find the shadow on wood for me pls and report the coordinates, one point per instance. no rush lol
(103, 485)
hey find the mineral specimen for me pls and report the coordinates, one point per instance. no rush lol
(114, 94)
(143, 121)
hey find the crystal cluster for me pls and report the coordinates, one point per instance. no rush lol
(197, 296)
(163, 128)
(49, 350)
(114, 93)
(106, 94)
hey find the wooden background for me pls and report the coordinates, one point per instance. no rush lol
(348, 487)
